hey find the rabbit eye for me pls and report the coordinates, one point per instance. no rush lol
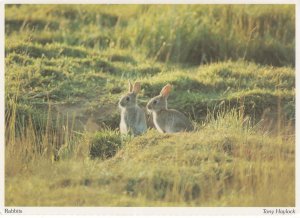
(155, 102)
(127, 98)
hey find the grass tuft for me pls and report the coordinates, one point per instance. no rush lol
(105, 144)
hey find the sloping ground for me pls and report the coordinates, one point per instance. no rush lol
(89, 87)
(86, 87)
(78, 60)
(226, 163)
(236, 84)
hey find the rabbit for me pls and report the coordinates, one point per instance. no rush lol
(167, 120)
(133, 119)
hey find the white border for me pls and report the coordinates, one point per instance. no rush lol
(2, 97)
(184, 211)
(297, 67)
(154, 211)
(150, 2)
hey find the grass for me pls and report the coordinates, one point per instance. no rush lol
(235, 168)
(186, 34)
(232, 71)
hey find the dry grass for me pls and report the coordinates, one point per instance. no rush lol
(225, 163)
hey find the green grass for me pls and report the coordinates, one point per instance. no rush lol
(191, 34)
(232, 72)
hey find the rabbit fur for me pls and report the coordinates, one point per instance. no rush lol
(133, 119)
(167, 120)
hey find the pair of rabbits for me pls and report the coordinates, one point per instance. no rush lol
(133, 119)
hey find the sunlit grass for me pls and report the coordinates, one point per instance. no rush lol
(226, 163)
(193, 34)
(231, 68)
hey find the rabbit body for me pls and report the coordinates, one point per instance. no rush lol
(167, 120)
(133, 119)
(171, 121)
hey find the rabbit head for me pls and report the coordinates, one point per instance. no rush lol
(159, 102)
(129, 100)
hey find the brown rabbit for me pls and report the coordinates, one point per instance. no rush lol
(167, 120)
(133, 119)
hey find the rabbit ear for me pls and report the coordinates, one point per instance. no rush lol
(136, 87)
(129, 86)
(166, 90)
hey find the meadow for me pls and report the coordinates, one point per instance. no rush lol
(232, 71)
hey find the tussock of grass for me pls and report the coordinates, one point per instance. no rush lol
(105, 144)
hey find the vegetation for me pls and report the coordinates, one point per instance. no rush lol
(105, 144)
(232, 71)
